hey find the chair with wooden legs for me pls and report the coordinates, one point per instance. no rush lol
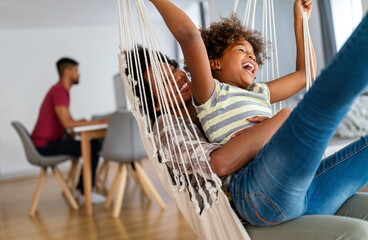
(73, 175)
(35, 158)
(123, 145)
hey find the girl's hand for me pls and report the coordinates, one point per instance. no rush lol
(301, 6)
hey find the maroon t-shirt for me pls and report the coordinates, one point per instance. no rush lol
(48, 127)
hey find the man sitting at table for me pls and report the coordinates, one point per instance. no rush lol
(54, 118)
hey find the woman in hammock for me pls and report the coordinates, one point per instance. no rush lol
(286, 178)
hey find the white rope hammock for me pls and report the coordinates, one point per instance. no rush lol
(197, 192)
(269, 35)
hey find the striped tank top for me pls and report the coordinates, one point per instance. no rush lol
(226, 112)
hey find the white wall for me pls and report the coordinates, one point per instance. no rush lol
(27, 70)
(365, 6)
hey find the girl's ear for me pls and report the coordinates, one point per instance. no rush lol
(215, 64)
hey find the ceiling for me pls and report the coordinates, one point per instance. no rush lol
(16, 14)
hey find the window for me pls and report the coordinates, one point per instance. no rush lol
(346, 15)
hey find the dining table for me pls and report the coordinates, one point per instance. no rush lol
(88, 133)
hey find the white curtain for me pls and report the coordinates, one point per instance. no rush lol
(328, 35)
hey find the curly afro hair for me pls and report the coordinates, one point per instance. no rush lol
(223, 33)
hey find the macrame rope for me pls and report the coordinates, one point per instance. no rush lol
(274, 40)
(163, 103)
(269, 34)
(254, 12)
(246, 13)
(176, 103)
(236, 2)
(183, 192)
(156, 72)
(170, 105)
(307, 52)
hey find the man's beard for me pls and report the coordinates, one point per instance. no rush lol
(75, 81)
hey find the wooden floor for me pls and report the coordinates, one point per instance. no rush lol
(139, 218)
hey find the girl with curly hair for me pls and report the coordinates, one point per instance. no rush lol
(273, 170)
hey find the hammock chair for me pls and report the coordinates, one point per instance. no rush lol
(197, 192)
(267, 72)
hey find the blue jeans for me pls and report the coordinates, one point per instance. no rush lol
(288, 179)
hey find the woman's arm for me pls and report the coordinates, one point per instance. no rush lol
(242, 149)
(194, 50)
(285, 87)
(169, 133)
(226, 159)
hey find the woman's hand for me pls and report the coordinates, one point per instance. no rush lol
(255, 119)
(240, 151)
(301, 6)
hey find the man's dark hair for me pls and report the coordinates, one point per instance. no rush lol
(64, 63)
(142, 62)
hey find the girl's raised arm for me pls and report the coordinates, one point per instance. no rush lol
(287, 86)
(194, 50)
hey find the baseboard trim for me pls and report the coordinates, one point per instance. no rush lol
(28, 173)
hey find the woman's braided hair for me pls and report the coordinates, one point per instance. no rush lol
(223, 33)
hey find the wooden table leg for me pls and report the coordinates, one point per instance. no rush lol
(86, 137)
(86, 155)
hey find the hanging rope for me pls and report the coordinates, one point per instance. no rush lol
(309, 63)
(269, 35)
(164, 101)
(206, 208)
(203, 204)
